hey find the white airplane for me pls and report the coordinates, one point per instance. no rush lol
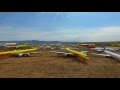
(108, 54)
(100, 49)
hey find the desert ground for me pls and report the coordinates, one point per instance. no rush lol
(51, 65)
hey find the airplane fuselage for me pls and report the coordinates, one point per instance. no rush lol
(78, 54)
(114, 55)
(17, 52)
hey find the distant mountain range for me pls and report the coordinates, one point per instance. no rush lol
(42, 42)
(29, 42)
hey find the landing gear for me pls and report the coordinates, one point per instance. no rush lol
(68, 55)
(26, 55)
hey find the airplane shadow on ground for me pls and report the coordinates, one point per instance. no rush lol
(79, 61)
(5, 57)
(118, 61)
(16, 57)
(74, 59)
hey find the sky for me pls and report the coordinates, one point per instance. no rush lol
(60, 26)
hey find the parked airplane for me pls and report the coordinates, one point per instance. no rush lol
(70, 52)
(10, 44)
(109, 54)
(25, 52)
(100, 49)
(88, 45)
(17, 46)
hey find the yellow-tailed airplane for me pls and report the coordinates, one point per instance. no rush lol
(70, 52)
(25, 52)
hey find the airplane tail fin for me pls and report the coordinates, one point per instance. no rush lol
(104, 48)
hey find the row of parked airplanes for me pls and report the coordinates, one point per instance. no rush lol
(82, 55)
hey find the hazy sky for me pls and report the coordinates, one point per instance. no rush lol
(60, 26)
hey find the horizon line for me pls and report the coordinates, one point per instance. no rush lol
(54, 41)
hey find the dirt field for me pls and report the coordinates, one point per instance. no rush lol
(50, 65)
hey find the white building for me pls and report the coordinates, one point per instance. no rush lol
(10, 44)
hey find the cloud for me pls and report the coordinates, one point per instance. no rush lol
(59, 13)
(111, 33)
(107, 34)
(42, 12)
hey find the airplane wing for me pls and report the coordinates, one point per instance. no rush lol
(97, 49)
(85, 52)
(104, 55)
